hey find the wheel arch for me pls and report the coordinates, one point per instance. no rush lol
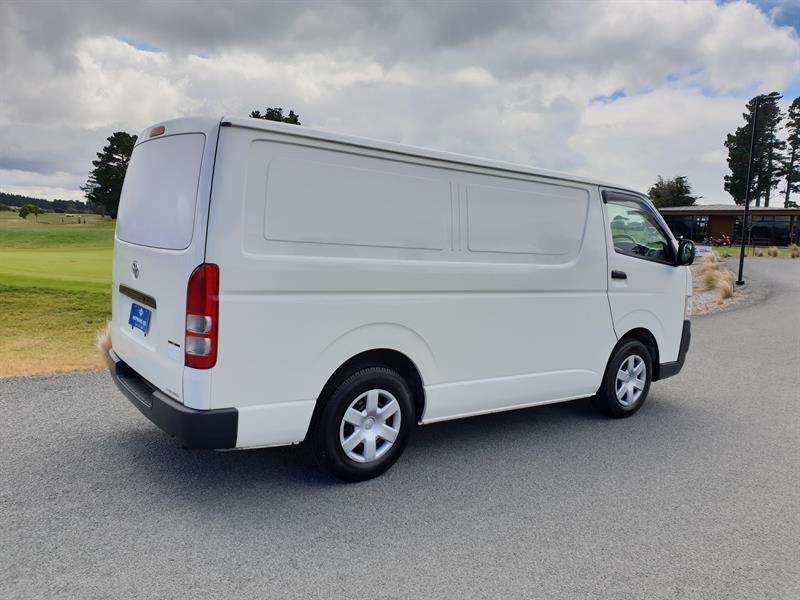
(646, 337)
(386, 357)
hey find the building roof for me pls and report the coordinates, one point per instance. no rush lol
(725, 209)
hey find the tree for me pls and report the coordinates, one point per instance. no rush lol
(791, 167)
(672, 192)
(767, 156)
(276, 114)
(30, 209)
(3, 207)
(104, 185)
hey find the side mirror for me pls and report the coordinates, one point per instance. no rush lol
(685, 254)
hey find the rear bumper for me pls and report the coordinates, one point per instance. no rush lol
(208, 429)
(669, 369)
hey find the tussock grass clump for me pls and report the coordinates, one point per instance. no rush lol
(103, 341)
(772, 251)
(794, 251)
(728, 276)
(759, 253)
(725, 288)
(711, 278)
(721, 281)
(708, 270)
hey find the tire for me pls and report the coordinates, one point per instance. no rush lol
(352, 434)
(631, 354)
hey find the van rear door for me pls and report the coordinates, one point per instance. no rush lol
(160, 239)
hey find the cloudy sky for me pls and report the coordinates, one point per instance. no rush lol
(621, 91)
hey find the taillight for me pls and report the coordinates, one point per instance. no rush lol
(202, 317)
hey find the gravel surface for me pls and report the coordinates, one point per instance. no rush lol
(696, 496)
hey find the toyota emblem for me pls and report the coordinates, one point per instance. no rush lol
(135, 269)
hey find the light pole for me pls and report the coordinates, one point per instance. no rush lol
(740, 281)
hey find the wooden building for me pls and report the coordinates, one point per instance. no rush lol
(769, 226)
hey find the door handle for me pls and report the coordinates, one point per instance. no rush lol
(619, 275)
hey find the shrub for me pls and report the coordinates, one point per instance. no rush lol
(772, 251)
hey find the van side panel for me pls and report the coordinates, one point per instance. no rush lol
(327, 250)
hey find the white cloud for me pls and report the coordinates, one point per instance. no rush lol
(505, 80)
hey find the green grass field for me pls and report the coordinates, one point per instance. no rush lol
(55, 291)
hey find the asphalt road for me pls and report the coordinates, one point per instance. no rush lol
(697, 496)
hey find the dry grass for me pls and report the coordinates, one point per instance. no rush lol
(759, 253)
(708, 269)
(794, 251)
(726, 285)
(772, 251)
(721, 281)
(725, 290)
(711, 278)
(103, 341)
(49, 331)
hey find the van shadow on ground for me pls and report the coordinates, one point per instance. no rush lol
(547, 438)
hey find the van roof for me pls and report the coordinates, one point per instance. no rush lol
(187, 124)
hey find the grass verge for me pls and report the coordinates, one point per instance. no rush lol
(55, 292)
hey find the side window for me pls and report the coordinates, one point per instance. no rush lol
(635, 230)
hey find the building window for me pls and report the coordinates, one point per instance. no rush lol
(690, 228)
(766, 230)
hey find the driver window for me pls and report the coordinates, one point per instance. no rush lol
(635, 231)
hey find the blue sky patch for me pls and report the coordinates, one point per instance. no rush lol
(140, 44)
(614, 96)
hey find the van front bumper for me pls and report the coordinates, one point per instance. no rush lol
(669, 369)
(206, 429)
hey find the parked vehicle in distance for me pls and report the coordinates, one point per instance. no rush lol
(274, 284)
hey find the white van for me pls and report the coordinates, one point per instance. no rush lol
(274, 284)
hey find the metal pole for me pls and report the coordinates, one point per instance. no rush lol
(740, 281)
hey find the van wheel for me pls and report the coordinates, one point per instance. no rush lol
(626, 380)
(364, 425)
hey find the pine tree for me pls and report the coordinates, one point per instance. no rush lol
(104, 185)
(791, 167)
(672, 192)
(768, 157)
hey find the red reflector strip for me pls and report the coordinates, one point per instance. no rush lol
(157, 131)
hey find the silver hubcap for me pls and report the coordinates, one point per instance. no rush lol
(631, 379)
(370, 426)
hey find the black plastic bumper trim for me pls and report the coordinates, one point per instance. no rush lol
(669, 369)
(203, 429)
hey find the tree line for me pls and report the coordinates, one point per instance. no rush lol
(59, 206)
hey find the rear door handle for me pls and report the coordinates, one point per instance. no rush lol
(619, 275)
